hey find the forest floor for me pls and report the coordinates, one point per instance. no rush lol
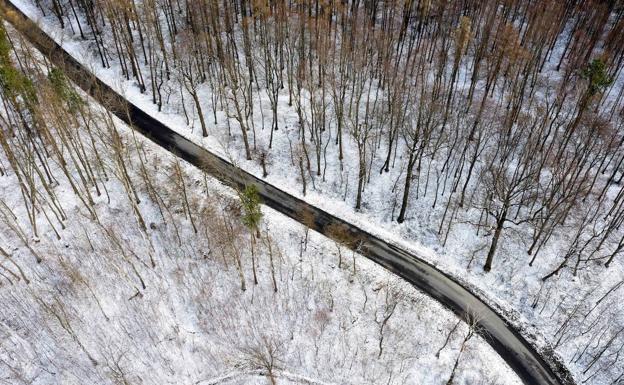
(549, 310)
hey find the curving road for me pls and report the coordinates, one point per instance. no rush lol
(531, 366)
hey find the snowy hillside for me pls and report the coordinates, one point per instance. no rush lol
(134, 272)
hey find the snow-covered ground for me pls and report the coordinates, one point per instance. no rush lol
(566, 312)
(110, 303)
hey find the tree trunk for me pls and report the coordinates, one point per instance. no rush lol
(499, 229)
(408, 181)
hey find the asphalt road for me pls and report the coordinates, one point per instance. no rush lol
(532, 367)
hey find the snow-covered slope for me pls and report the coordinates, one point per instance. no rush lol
(113, 303)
